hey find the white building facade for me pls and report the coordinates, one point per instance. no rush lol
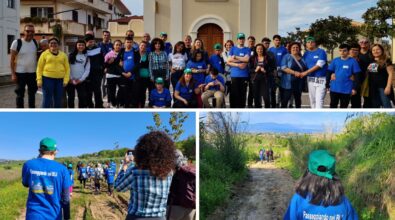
(9, 31)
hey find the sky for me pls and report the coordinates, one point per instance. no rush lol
(75, 133)
(298, 13)
(295, 118)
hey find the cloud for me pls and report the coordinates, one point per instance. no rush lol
(302, 13)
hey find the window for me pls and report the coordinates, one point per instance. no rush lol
(41, 12)
(10, 39)
(91, 1)
(109, 6)
(89, 19)
(11, 3)
(75, 16)
(98, 22)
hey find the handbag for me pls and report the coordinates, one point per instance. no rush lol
(365, 87)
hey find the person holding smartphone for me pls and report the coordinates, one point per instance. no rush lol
(214, 87)
(155, 158)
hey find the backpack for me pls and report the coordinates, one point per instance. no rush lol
(183, 188)
(19, 44)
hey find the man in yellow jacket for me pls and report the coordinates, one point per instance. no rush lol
(53, 73)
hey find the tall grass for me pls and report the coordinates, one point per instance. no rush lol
(13, 197)
(222, 164)
(365, 153)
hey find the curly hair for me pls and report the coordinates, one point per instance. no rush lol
(155, 151)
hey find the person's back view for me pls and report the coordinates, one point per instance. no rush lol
(319, 193)
(48, 182)
(182, 196)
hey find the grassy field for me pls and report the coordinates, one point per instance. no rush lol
(365, 153)
(12, 193)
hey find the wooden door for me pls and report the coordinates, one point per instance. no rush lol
(211, 34)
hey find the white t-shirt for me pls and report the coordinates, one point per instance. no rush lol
(178, 60)
(26, 60)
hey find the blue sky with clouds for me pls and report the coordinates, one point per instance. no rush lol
(300, 13)
(75, 133)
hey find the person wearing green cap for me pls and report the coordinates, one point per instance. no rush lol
(216, 60)
(160, 97)
(49, 184)
(239, 58)
(214, 87)
(316, 61)
(71, 172)
(186, 91)
(168, 46)
(319, 193)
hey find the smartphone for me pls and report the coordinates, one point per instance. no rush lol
(130, 154)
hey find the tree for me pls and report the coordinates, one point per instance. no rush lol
(175, 127)
(379, 20)
(333, 31)
(297, 36)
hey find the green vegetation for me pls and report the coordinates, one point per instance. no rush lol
(223, 161)
(12, 192)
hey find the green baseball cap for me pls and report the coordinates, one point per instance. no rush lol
(48, 144)
(241, 36)
(159, 80)
(310, 38)
(70, 165)
(163, 34)
(217, 46)
(322, 163)
(187, 71)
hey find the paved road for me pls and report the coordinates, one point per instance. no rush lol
(7, 98)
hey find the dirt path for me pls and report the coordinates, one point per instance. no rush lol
(264, 195)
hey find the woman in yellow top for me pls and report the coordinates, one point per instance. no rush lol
(53, 73)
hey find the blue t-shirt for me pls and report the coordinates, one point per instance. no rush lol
(217, 63)
(186, 92)
(199, 77)
(236, 72)
(343, 70)
(279, 53)
(71, 172)
(311, 58)
(106, 48)
(301, 208)
(110, 173)
(113, 165)
(210, 79)
(128, 62)
(160, 99)
(83, 172)
(46, 180)
(168, 48)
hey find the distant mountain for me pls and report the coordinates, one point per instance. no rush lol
(284, 128)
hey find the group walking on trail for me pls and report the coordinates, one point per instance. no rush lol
(266, 155)
(157, 75)
(161, 181)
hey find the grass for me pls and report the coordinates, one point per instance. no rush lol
(13, 197)
(365, 153)
(221, 167)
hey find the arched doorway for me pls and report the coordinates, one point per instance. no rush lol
(210, 34)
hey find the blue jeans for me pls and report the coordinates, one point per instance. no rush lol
(52, 92)
(380, 99)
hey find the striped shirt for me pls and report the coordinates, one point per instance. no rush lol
(159, 62)
(148, 194)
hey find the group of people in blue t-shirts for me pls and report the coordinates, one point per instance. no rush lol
(159, 177)
(95, 173)
(253, 75)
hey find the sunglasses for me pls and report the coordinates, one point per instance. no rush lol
(29, 31)
(363, 42)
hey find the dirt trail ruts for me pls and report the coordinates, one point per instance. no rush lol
(263, 196)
